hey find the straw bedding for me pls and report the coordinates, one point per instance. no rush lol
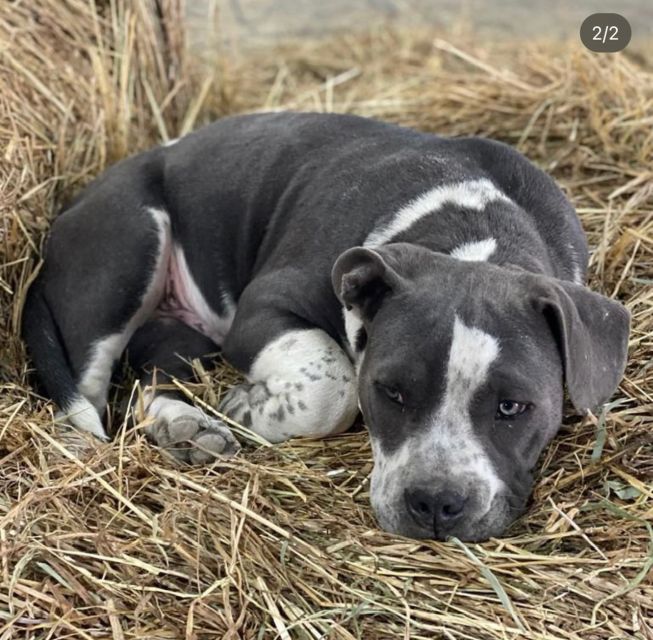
(280, 542)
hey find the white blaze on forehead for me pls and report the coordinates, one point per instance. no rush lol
(472, 352)
(478, 251)
(471, 194)
(449, 450)
(452, 434)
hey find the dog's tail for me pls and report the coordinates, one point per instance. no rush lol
(48, 354)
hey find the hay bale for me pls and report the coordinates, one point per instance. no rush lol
(280, 542)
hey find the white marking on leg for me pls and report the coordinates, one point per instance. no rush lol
(82, 415)
(478, 251)
(171, 142)
(303, 385)
(450, 445)
(577, 276)
(94, 381)
(471, 194)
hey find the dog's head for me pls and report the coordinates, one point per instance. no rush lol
(461, 374)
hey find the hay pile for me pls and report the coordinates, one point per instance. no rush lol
(281, 542)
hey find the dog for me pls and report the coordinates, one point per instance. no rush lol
(340, 263)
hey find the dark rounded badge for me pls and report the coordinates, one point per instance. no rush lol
(605, 32)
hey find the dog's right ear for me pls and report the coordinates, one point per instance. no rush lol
(362, 278)
(591, 332)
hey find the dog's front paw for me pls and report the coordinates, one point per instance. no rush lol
(188, 433)
(238, 404)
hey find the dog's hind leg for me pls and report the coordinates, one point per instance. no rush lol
(104, 274)
(160, 350)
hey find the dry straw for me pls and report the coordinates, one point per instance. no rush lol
(280, 542)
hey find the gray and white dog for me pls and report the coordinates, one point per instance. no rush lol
(338, 262)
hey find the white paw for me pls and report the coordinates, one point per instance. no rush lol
(81, 444)
(189, 434)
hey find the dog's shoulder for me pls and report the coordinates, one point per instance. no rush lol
(536, 193)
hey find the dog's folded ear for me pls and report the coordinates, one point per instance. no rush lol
(362, 278)
(592, 335)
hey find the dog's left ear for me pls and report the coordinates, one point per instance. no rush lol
(363, 278)
(592, 335)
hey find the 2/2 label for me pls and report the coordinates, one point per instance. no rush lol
(605, 32)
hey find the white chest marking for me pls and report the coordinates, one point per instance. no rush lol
(479, 251)
(471, 194)
(353, 324)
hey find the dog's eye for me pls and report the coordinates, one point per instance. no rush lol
(392, 393)
(510, 409)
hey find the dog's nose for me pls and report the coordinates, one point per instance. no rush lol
(437, 509)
